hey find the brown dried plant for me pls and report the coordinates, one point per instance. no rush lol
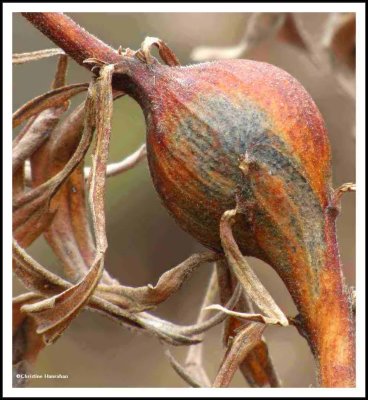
(51, 189)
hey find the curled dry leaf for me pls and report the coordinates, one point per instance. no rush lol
(257, 367)
(69, 235)
(35, 277)
(64, 306)
(42, 125)
(141, 298)
(243, 342)
(34, 205)
(32, 219)
(37, 134)
(251, 284)
(56, 313)
(22, 58)
(50, 99)
(165, 52)
(337, 195)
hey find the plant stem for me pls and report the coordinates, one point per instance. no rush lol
(329, 327)
(72, 38)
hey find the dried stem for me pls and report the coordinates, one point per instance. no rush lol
(22, 58)
(194, 360)
(124, 165)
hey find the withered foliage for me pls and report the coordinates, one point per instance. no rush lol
(56, 196)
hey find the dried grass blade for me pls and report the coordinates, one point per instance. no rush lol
(21, 58)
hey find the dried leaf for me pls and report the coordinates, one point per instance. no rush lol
(37, 134)
(249, 280)
(335, 205)
(35, 277)
(21, 58)
(30, 222)
(147, 296)
(257, 367)
(165, 52)
(104, 105)
(61, 70)
(36, 131)
(54, 316)
(50, 99)
(243, 343)
(23, 131)
(36, 202)
(26, 342)
(69, 234)
(52, 321)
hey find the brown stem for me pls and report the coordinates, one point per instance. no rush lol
(330, 325)
(72, 38)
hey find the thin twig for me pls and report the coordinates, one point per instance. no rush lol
(21, 58)
(194, 359)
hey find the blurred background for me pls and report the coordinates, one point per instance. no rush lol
(143, 239)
